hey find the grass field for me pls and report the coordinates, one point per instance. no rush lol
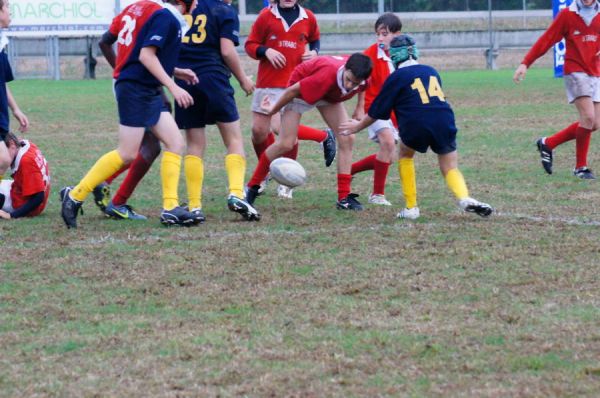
(312, 301)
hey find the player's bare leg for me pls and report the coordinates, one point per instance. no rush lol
(588, 122)
(383, 159)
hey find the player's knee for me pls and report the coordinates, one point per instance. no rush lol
(588, 121)
(4, 164)
(259, 134)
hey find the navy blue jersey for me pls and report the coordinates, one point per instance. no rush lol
(415, 95)
(201, 49)
(145, 24)
(5, 77)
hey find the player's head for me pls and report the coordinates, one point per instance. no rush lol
(387, 27)
(13, 143)
(188, 5)
(357, 69)
(4, 14)
(403, 48)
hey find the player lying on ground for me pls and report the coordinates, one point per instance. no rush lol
(425, 120)
(579, 25)
(27, 193)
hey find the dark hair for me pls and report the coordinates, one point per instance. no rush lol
(390, 21)
(360, 65)
(10, 137)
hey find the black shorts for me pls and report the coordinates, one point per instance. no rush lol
(213, 102)
(139, 105)
(437, 132)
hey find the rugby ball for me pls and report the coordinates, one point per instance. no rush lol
(288, 172)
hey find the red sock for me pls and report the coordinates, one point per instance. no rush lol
(293, 154)
(365, 164)
(379, 177)
(110, 179)
(562, 136)
(582, 146)
(261, 170)
(137, 171)
(259, 148)
(311, 134)
(344, 182)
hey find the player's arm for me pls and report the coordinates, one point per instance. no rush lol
(359, 111)
(354, 126)
(232, 60)
(551, 36)
(151, 62)
(288, 96)
(17, 113)
(32, 203)
(106, 47)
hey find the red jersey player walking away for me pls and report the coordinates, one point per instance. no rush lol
(383, 132)
(324, 82)
(278, 39)
(579, 25)
(27, 193)
(149, 42)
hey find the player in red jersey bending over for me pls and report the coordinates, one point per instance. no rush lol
(278, 39)
(324, 82)
(579, 25)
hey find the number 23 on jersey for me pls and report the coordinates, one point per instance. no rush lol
(198, 26)
(434, 89)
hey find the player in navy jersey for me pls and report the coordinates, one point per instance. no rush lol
(209, 50)
(149, 39)
(425, 120)
(6, 98)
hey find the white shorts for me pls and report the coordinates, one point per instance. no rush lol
(5, 187)
(300, 106)
(260, 93)
(379, 125)
(581, 84)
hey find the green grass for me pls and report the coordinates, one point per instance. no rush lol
(311, 301)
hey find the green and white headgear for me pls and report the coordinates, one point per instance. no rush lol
(403, 48)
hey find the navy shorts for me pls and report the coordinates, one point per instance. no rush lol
(3, 134)
(437, 132)
(213, 102)
(139, 105)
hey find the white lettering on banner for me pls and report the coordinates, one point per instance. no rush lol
(58, 16)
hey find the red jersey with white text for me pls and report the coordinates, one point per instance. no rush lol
(30, 175)
(144, 24)
(582, 42)
(382, 68)
(321, 79)
(272, 31)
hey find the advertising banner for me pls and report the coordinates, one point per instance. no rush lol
(60, 17)
(559, 48)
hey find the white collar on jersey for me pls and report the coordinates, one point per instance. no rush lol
(382, 55)
(15, 166)
(301, 16)
(180, 18)
(586, 13)
(408, 62)
(340, 81)
(3, 40)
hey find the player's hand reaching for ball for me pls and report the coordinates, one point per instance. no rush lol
(276, 58)
(181, 97)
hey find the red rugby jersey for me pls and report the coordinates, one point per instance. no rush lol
(30, 175)
(272, 31)
(582, 42)
(320, 79)
(382, 68)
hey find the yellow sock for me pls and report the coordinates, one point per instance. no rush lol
(106, 166)
(194, 176)
(406, 168)
(457, 185)
(236, 168)
(170, 167)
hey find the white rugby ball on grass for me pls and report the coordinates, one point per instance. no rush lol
(288, 172)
